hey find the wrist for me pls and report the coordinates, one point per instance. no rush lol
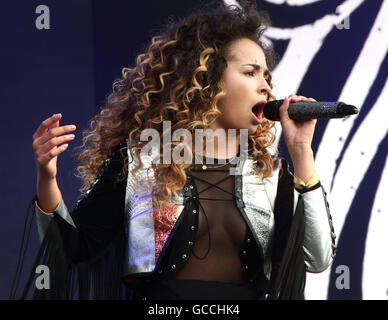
(48, 194)
(301, 152)
(304, 166)
(46, 183)
(45, 179)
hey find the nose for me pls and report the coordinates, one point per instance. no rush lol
(263, 86)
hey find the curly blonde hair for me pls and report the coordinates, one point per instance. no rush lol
(177, 79)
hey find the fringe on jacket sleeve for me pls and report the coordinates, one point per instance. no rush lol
(84, 262)
(288, 277)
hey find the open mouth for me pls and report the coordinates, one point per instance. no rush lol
(257, 110)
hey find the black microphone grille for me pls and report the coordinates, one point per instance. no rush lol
(271, 110)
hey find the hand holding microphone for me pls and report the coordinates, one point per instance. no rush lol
(298, 134)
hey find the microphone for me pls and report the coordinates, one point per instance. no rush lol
(306, 110)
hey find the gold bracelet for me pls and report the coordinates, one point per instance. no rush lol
(299, 183)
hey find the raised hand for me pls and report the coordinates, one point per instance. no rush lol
(48, 143)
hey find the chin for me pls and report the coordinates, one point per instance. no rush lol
(252, 130)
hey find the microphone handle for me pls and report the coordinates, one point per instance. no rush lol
(302, 110)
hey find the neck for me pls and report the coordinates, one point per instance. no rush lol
(224, 146)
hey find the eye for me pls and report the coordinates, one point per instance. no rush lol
(250, 73)
(268, 78)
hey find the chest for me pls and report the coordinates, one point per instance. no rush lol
(217, 211)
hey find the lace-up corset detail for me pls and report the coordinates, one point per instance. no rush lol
(221, 228)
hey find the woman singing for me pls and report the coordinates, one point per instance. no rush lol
(230, 221)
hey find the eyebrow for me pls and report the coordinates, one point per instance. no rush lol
(256, 67)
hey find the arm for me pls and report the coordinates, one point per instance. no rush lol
(319, 240)
(96, 219)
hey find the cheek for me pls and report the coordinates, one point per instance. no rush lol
(236, 95)
(238, 87)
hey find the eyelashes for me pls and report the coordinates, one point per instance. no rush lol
(269, 80)
(252, 74)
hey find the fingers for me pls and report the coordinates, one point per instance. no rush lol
(49, 135)
(295, 98)
(55, 139)
(43, 158)
(46, 124)
(283, 110)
